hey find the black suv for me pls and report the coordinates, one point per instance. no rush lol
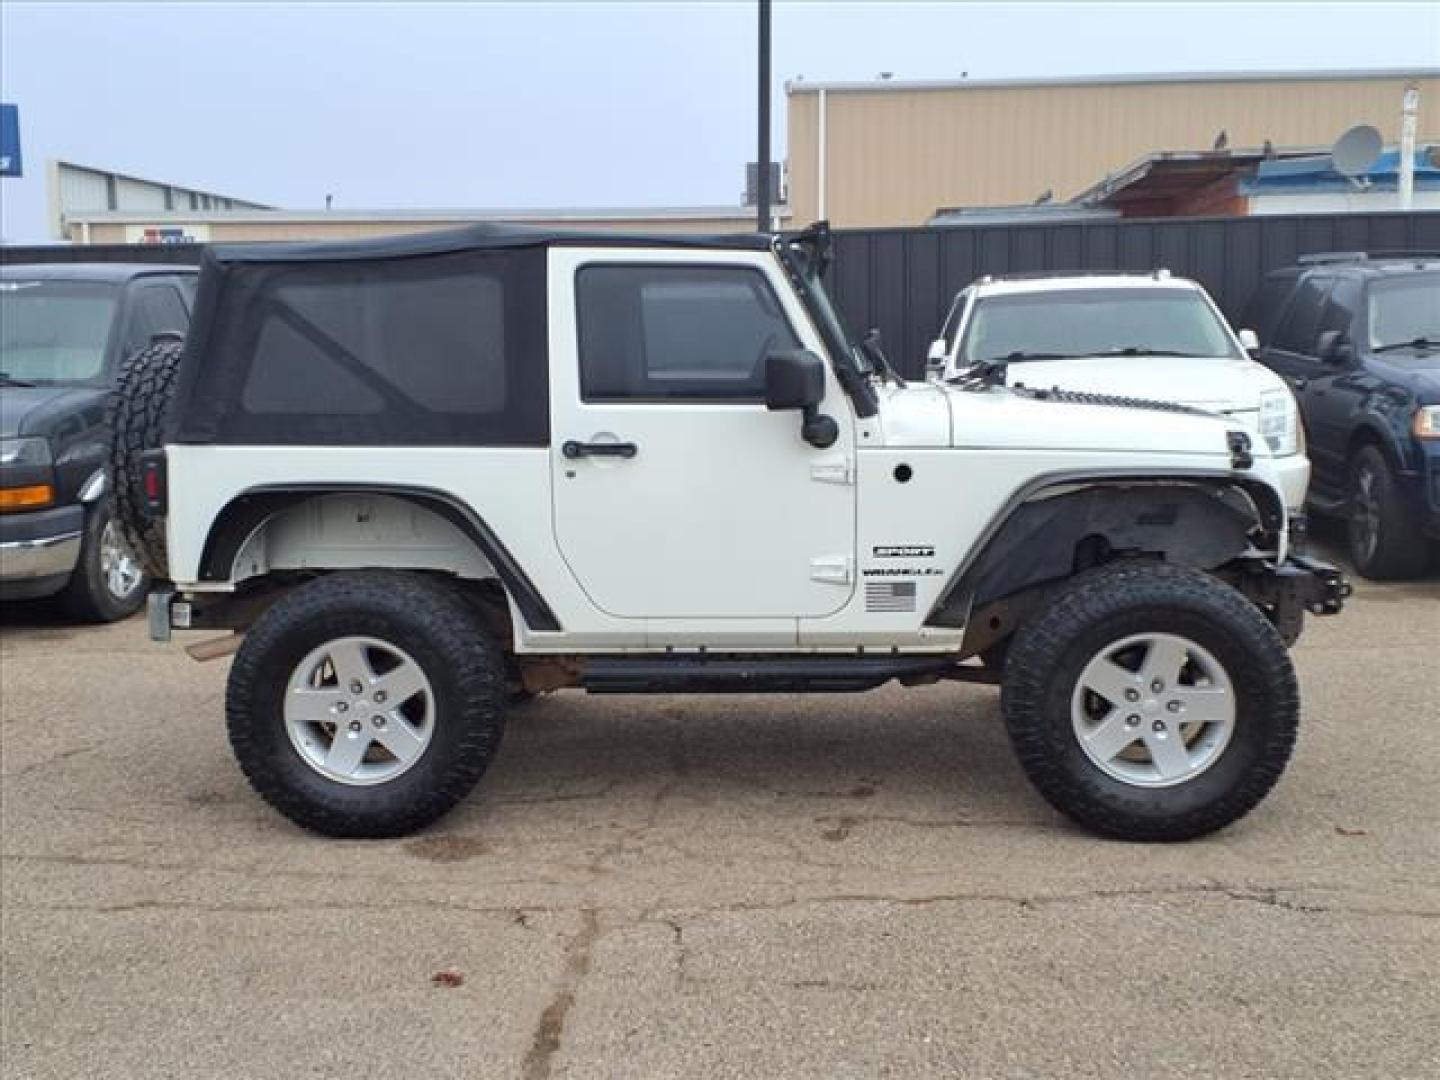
(1357, 336)
(64, 330)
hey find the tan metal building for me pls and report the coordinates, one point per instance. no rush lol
(221, 226)
(892, 152)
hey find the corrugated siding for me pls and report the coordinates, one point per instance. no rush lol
(903, 280)
(81, 189)
(138, 195)
(895, 156)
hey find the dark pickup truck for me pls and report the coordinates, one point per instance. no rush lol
(64, 330)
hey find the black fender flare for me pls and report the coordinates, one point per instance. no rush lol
(252, 508)
(1033, 538)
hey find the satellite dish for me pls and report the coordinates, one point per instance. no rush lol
(1357, 150)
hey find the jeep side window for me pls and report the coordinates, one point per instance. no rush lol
(1301, 324)
(443, 349)
(664, 332)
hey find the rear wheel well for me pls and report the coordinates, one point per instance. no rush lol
(298, 531)
(271, 533)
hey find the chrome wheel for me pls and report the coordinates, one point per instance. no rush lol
(119, 569)
(359, 710)
(1365, 514)
(1153, 710)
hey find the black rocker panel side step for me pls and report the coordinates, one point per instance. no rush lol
(691, 674)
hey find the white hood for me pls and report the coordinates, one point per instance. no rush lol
(1219, 385)
(928, 414)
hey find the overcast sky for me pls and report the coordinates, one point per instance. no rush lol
(533, 105)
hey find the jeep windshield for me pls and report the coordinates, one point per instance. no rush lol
(1405, 313)
(807, 256)
(1073, 323)
(55, 332)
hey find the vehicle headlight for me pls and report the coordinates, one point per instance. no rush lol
(1280, 422)
(1427, 422)
(24, 451)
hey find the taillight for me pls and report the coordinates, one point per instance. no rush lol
(152, 481)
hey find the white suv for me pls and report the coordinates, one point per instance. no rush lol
(423, 478)
(1147, 336)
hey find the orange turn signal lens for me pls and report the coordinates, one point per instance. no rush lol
(26, 498)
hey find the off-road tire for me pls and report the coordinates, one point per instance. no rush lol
(138, 413)
(1399, 549)
(87, 597)
(436, 626)
(1050, 651)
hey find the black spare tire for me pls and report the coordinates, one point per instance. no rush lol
(138, 415)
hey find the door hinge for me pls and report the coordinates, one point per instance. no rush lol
(833, 569)
(833, 472)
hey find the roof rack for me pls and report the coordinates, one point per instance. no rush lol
(1160, 273)
(1320, 258)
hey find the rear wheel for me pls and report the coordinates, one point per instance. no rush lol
(1385, 537)
(1151, 702)
(366, 704)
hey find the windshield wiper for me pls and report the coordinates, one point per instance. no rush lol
(991, 371)
(1139, 350)
(1421, 342)
(6, 379)
(875, 353)
(1020, 356)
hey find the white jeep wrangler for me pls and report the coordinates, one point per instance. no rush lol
(423, 478)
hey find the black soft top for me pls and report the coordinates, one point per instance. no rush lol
(471, 238)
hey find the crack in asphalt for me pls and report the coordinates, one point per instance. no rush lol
(517, 914)
(550, 1030)
(1272, 897)
(273, 872)
(45, 763)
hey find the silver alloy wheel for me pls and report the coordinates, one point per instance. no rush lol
(1365, 514)
(359, 710)
(1153, 710)
(119, 569)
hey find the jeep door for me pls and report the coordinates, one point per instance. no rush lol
(677, 494)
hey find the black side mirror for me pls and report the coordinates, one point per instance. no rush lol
(1332, 348)
(796, 380)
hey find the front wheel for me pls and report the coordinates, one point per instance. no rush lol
(108, 582)
(1385, 538)
(366, 704)
(1151, 702)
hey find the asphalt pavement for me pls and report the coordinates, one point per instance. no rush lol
(828, 886)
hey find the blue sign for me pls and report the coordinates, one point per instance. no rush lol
(10, 164)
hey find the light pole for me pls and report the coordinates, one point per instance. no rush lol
(762, 180)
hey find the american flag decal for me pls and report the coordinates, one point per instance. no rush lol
(890, 596)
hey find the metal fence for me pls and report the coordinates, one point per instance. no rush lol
(903, 280)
